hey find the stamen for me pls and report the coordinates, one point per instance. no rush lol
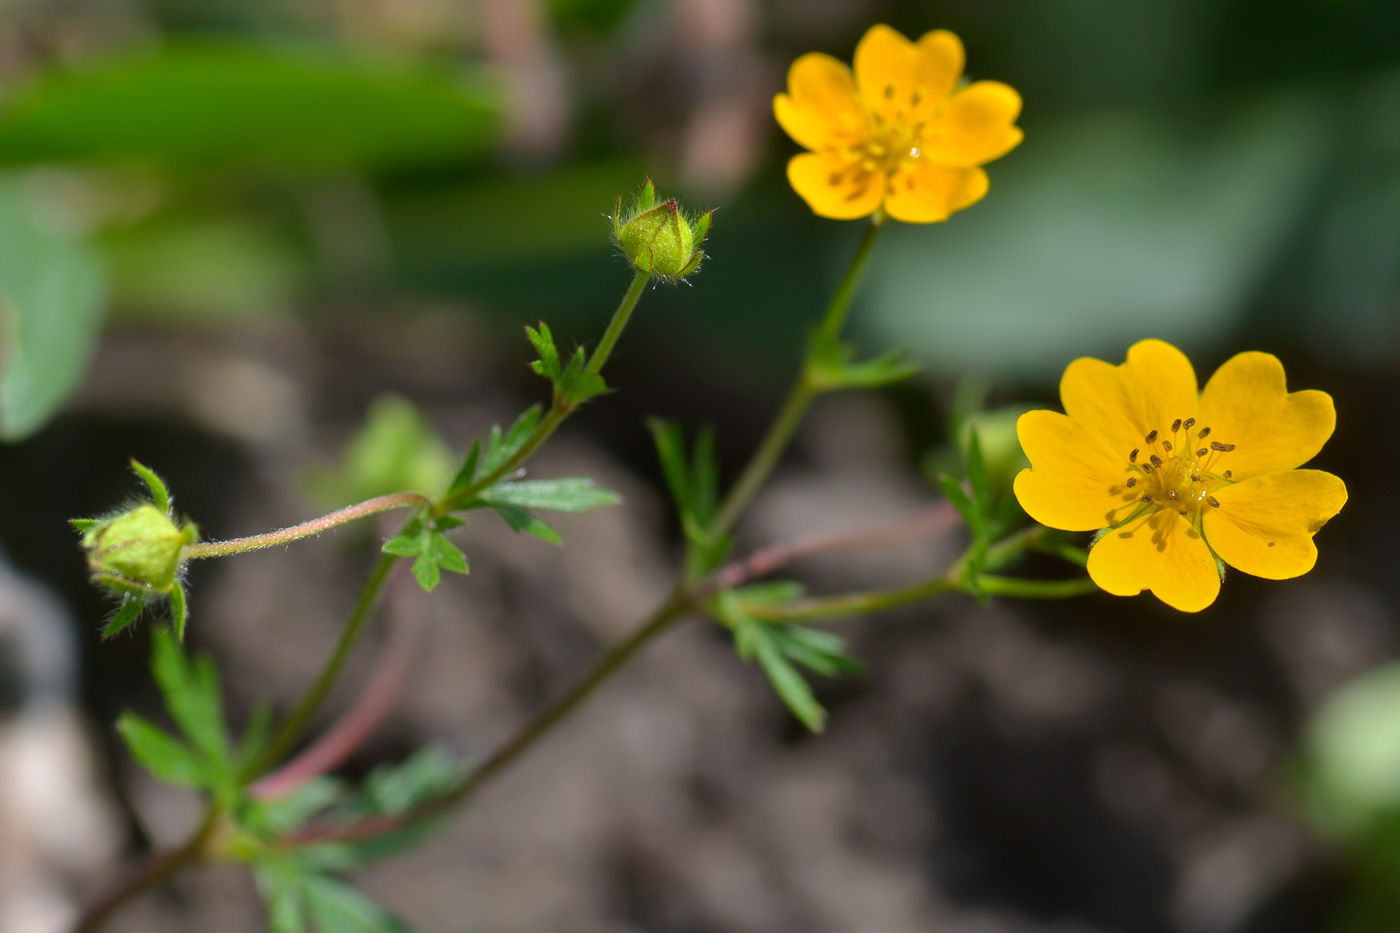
(1271, 544)
(1176, 425)
(1189, 423)
(1132, 457)
(1152, 437)
(1146, 499)
(1172, 494)
(1202, 433)
(1132, 481)
(1214, 503)
(1156, 460)
(1147, 468)
(1216, 445)
(1202, 452)
(1228, 474)
(889, 92)
(1167, 446)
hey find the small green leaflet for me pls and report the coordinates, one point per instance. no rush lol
(522, 521)
(573, 494)
(694, 486)
(500, 447)
(573, 385)
(432, 553)
(299, 899)
(832, 368)
(780, 648)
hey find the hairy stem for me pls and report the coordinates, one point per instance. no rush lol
(350, 513)
(770, 449)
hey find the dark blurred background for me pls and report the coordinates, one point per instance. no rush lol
(227, 227)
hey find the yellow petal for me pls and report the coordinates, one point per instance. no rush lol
(886, 64)
(938, 64)
(978, 126)
(1162, 553)
(833, 187)
(1246, 403)
(821, 108)
(1124, 403)
(1265, 525)
(926, 193)
(1076, 482)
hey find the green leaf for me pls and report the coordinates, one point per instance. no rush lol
(790, 686)
(191, 692)
(959, 499)
(467, 473)
(255, 734)
(397, 789)
(432, 553)
(179, 610)
(160, 495)
(501, 447)
(270, 819)
(522, 521)
(704, 478)
(777, 591)
(574, 494)
(670, 449)
(336, 907)
(409, 544)
(548, 363)
(821, 652)
(160, 753)
(51, 305)
(280, 886)
(576, 384)
(207, 105)
(128, 612)
(446, 554)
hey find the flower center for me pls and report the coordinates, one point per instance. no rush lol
(887, 145)
(1177, 469)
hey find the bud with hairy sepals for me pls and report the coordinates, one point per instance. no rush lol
(659, 239)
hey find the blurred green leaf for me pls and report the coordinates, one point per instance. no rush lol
(397, 450)
(1350, 769)
(520, 520)
(208, 105)
(432, 553)
(160, 753)
(572, 494)
(51, 303)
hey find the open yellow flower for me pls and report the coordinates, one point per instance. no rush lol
(900, 133)
(1178, 479)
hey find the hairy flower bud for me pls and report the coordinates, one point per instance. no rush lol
(660, 239)
(138, 549)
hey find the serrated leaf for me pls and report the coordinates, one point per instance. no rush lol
(160, 495)
(397, 789)
(883, 370)
(256, 732)
(576, 384)
(500, 447)
(409, 544)
(670, 450)
(160, 753)
(446, 554)
(704, 477)
(282, 815)
(777, 591)
(543, 341)
(127, 613)
(279, 884)
(821, 652)
(573, 494)
(522, 521)
(426, 572)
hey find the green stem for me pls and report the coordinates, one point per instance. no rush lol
(799, 399)
(675, 608)
(618, 322)
(1018, 588)
(290, 729)
(557, 411)
(350, 513)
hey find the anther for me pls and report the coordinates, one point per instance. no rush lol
(1202, 452)
(1271, 544)
(1167, 446)
(1216, 445)
(1152, 437)
(1147, 468)
(1228, 474)
(1132, 457)
(1156, 460)
(1202, 432)
(1146, 498)
(1189, 423)
(1195, 477)
(1172, 494)
(1214, 502)
(1132, 481)
(1176, 425)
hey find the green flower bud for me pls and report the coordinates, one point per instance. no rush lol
(658, 238)
(137, 550)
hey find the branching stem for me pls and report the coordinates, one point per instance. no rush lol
(398, 500)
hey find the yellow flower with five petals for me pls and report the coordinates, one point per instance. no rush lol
(901, 133)
(1178, 480)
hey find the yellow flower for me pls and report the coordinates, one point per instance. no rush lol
(1179, 480)
(900, 134)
